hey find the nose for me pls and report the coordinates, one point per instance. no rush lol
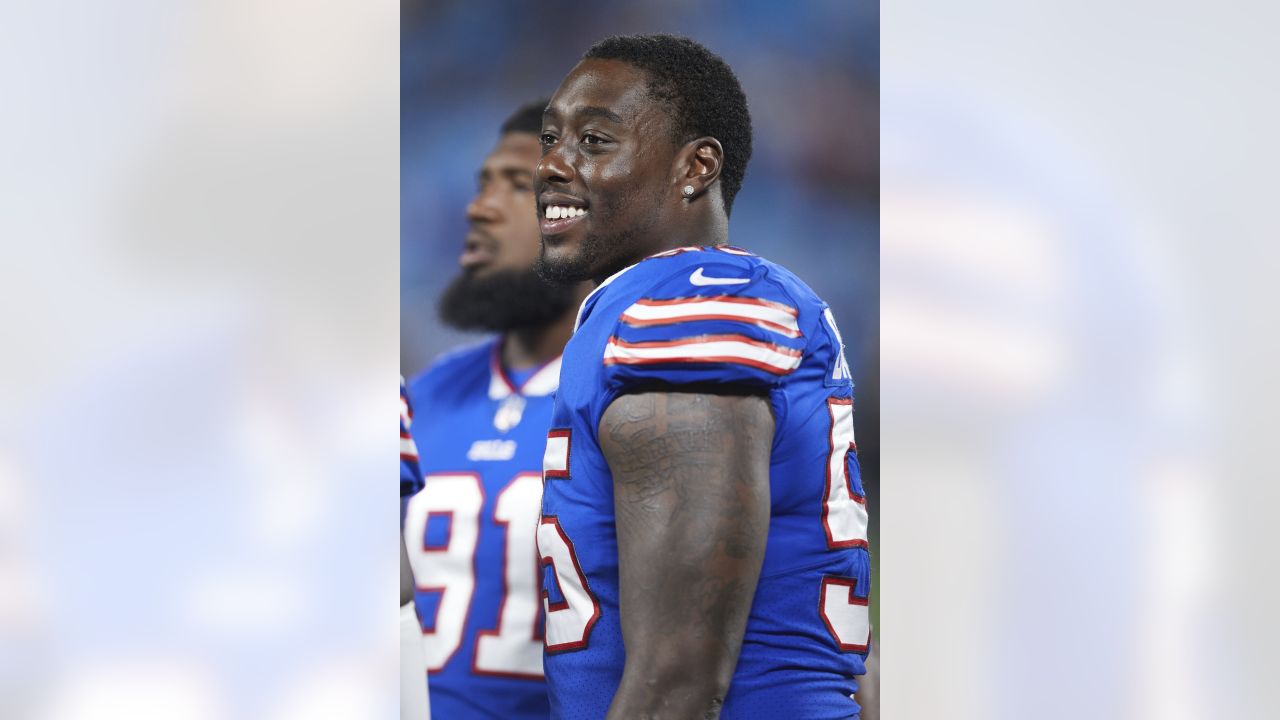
(482, 208)
(554, 167)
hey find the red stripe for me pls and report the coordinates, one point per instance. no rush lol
(636, 322)
(567, 434)
(674, 251)
(501, 372)
(789, 352)
(721, 298)
(406, 408)
(495, 366)
(774, 369)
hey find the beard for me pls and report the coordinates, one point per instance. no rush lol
(502, 301)
(600, 256)
(582, 266)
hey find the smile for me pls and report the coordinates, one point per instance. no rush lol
(555, 212)
(559, 218)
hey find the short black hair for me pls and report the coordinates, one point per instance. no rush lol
(527, 118)
(704, 95)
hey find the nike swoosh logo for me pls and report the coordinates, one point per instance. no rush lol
(697, 278)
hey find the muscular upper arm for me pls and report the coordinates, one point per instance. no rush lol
(691, 498)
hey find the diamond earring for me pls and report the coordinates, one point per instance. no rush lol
(688, 190)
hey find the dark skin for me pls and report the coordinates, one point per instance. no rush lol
(691, 495)
(608, 148)
(690, 469)
(504, 235)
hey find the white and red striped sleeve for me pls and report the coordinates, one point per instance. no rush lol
(747, 334)
(410, 472)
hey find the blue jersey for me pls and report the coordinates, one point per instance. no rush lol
(470, 534)
(410, 472)
(708, 316)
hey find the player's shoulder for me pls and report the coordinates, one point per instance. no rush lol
(712, 315)
(724, 272)
(453, 368)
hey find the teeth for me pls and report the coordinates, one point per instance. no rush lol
(555, 212)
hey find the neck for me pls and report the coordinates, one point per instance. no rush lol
(701, 223)
(710, 230)
(531, 347)
(710, 224)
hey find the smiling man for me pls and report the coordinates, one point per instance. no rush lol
(482, 417)
(703, 529)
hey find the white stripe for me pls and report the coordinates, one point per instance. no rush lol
(498, 388)
(408, 448)
(739, 311)
(734, 349)
(544, 382)
(555, 458)
(675, 251)
(540, 384)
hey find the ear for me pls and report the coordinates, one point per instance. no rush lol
(698, 165)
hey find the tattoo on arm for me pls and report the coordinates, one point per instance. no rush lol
(691, 497)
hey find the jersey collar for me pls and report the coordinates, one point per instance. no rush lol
(582, 309)
(541, 383)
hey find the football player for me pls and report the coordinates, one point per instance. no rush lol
(481, 423)
(704, 529)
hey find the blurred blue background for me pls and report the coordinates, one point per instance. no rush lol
(811, 196)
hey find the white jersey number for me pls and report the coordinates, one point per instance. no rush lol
(569, 621)
(512, 649)
(844, 519)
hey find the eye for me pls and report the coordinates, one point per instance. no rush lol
(547, 139)
(590, 139)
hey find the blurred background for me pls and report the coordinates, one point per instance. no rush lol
(810, 201)
(198, 376)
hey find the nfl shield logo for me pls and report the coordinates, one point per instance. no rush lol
(510, 410)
